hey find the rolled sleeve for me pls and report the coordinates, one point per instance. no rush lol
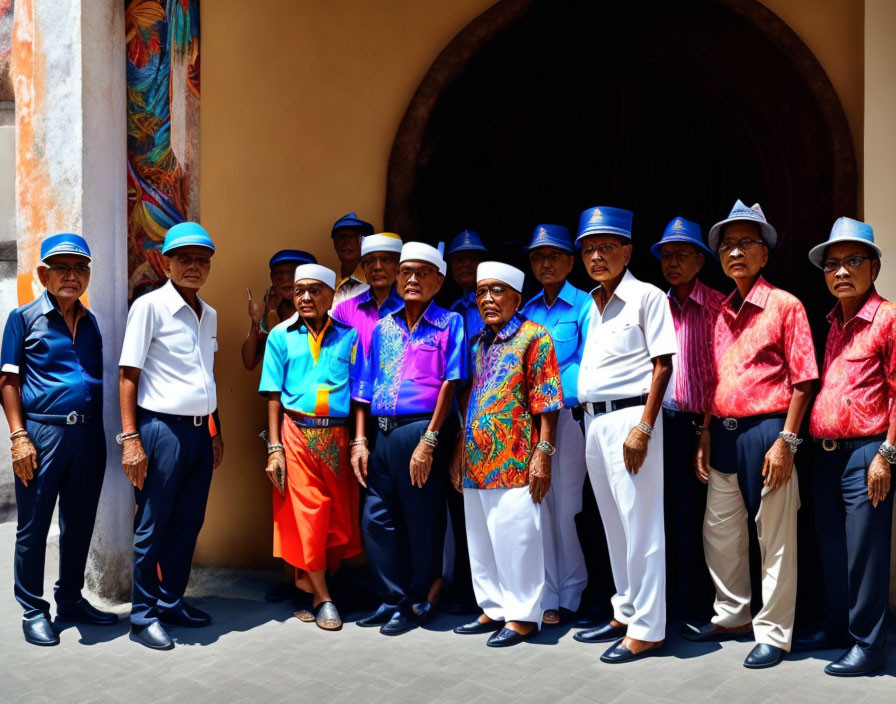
(12, 352)
(138, 335)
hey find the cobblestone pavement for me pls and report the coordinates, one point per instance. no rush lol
(257, 652)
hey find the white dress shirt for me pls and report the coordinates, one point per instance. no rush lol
(175, 351)
(635, 327)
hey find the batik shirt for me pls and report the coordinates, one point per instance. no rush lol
(362, 313)
(467, 308)
(405, 369)
(858, 385)
(516, 377)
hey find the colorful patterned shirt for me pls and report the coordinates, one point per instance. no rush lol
(405, 369)
(314, 375)
(350, 286)
(469, 311)
(566, 319)
(761, 351)
(858, 385)
(362, 313)
(516, 377)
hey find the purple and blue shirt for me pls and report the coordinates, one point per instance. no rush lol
(362, 313)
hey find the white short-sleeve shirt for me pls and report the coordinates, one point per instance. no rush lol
(635, 327)
(175, 351)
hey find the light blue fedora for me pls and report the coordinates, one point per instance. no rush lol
(845, 230)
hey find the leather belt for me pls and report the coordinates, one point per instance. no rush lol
(303, 421)
(829, 445)
(729, 423)
(197, 421)
(73, 418)
(389, 423)
(596, 408)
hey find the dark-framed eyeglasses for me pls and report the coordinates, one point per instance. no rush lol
(680, 256)
(852, 262)
(66, 269)
(379, 259)
(187, 260)
(552, 257)
(421, 272)
(493, 289)
(602, 249)
(314, 290)
(746, 244)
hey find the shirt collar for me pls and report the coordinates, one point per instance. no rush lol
(567, 295)
(173, 300)
(758, 295)
(628, 280)
(697, 294)
(466, 300)
(358, 277)
(434, 315)
(866, 313)
(511, 327)
(367, 298)
(48, 303)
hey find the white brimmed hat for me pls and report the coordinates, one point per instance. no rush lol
(741, 213)
(422, 252)
(510, 275)
(382, 242)
(316, 272)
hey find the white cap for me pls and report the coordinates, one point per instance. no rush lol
(382, 242)
(510, 275)
(316, 272)
(422, 252)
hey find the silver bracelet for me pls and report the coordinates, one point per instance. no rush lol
(792, 439)
(887, 451)
(644, 428)
(358, 441)
(21, 432)
(278, 447)
(431, 438)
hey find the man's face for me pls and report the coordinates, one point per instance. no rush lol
(312, 299)
(462, 267)
(188, 267)
(742, 250)
(418, 281)
(66, 276)
(347, 243)
(380, 268)
(680, 262)
(550, 265)
(852, 270)
(497, 302)
(605, 256)
(282, 277)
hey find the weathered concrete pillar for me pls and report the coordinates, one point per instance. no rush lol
(68, 72)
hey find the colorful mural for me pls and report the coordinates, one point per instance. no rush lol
(163, 129)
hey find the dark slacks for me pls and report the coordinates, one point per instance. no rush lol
(854, 546)
(71, 462)
(170, 511)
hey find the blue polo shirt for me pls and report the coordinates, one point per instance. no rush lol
(57, 374)
(469, 311)
(566, 319)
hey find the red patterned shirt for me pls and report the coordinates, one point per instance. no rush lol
(761, 351)
(859, 380)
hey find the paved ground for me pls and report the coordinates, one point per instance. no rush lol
(256, 652)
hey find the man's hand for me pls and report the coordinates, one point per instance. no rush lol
(539, 475)
(256, 308)
(634, 450)
(360, 458)
(276, 471)
(24, 458)
(778, 465)
(456, 468)
(878, 480)
(421, 463)
(134, 461)
(701, 459)
(271, 299)
(217, 450)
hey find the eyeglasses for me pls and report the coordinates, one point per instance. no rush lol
(420, 272)
(494, 289)
(852, 262)
(602, 249)
(66, 269)
(187, 260)
(745, 244)
(553, 257)
(680, 256)
(314, 291)
(381, 260)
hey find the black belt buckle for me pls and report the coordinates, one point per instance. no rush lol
(386, 424)
(729, 423)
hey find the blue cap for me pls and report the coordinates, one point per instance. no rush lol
(680, 230)
(186, 234)
(604, 220)
(466, 240)
(65, 243)
(292, 255)
(741, 213)
(352, 220)
(845, 230)
(551, 236)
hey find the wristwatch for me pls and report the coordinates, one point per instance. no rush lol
(888, 452)
(546, 448)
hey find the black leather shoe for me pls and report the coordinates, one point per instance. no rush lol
(39, 631)
(764, 655)
(81, 611)
(618, 653)
(710, 633)
(182, 614)
(604, 633)
(855, 662)
(475, 627)
(425, 612)
(820, 640)
(152, 636)
(398, 624)
(506, 637)
(380, 617)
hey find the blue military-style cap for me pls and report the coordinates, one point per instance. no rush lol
(292, 255)
(741, 213)
(845, 230)
(186, 234)
(64, 243)
(464, 241)
(604, 220)
(352, 220)
(680, 230)
(551, 236)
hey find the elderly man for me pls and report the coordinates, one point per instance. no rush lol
(765, 366)
(854, 421)
(694, 308)
(507, 459)
(310, 365)
(626, 365)
(379, 261)
(563, 310)
(417, 355)
(464, 253)
(347, 233)
(168, 395)
(51, 385)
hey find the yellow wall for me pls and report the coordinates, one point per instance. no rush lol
(300, 104)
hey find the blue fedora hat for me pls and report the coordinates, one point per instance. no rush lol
(352, 220)
(64, 243)
(464, 241)
(680, 230)
(292, 255)
(845, 230)
(551, 236)
(185, 234)
(741, 213)
(604, 220)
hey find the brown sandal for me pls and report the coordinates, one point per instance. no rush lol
(551, 617)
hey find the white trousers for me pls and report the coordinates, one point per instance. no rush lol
(631, 508)
(564, 562)
(506, 553)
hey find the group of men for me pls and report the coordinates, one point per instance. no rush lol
(391, 418)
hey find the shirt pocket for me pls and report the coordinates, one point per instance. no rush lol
(626, 338)
(565, 337)
(428, 362)
(338, 367)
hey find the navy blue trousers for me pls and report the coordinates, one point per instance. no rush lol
(170, 511)
(854, 546)
(403, 525)
(71, 462)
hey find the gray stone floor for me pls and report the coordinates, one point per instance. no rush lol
(256, 652)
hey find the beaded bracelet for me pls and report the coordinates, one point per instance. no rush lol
(644, 428)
